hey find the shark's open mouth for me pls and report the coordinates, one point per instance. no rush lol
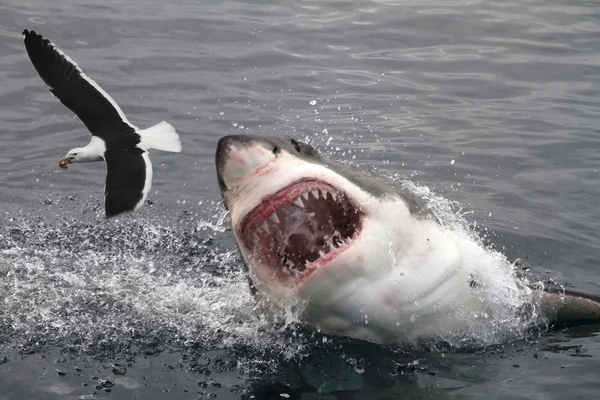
(300, 227)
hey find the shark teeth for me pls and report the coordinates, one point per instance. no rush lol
(289, 270)
(299, 202)
(318, 194)
(273, 217)
(296, 259)
(332, 245)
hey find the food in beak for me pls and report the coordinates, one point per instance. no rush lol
(63, 162)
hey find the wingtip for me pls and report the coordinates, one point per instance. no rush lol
(27, 34)
(32, 38)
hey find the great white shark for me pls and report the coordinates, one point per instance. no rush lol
(359, 256)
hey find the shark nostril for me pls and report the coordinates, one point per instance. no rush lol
(222, 144)
(230, 143)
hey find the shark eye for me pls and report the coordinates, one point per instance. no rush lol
(304, 149)
(297, 145)
(276, 149)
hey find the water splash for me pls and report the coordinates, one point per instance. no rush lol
(125, 286)
(136, 284)
(511, 309)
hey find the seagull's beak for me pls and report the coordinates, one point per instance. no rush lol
(63, 162)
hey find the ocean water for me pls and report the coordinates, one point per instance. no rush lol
(492, 105)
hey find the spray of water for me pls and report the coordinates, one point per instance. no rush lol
(138, 284)
(512, 309)
(131, 285)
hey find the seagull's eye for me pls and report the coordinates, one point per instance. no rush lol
(74, 154)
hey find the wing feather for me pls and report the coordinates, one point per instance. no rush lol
(96, 109)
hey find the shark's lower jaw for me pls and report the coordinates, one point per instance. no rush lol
(300, 228)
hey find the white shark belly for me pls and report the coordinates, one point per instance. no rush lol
(420, 290)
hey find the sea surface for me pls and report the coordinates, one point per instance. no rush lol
(492, 105)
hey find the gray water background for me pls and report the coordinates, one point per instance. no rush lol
(491, 104)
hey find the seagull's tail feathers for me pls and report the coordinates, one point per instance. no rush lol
(161, 136)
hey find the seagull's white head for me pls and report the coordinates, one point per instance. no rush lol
(88, 153)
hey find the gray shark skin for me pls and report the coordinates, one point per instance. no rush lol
(354, 255)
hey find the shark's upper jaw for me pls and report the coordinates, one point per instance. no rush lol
(291, 214)
(300, 228)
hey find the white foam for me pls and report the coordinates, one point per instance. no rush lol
(83, 283)
(74, 279)
(498, 285)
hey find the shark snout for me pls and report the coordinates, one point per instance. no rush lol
(239, 155)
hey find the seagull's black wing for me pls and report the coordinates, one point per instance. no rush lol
(98, 111)
(128, 180)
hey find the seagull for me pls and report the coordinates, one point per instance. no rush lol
(115, 140)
